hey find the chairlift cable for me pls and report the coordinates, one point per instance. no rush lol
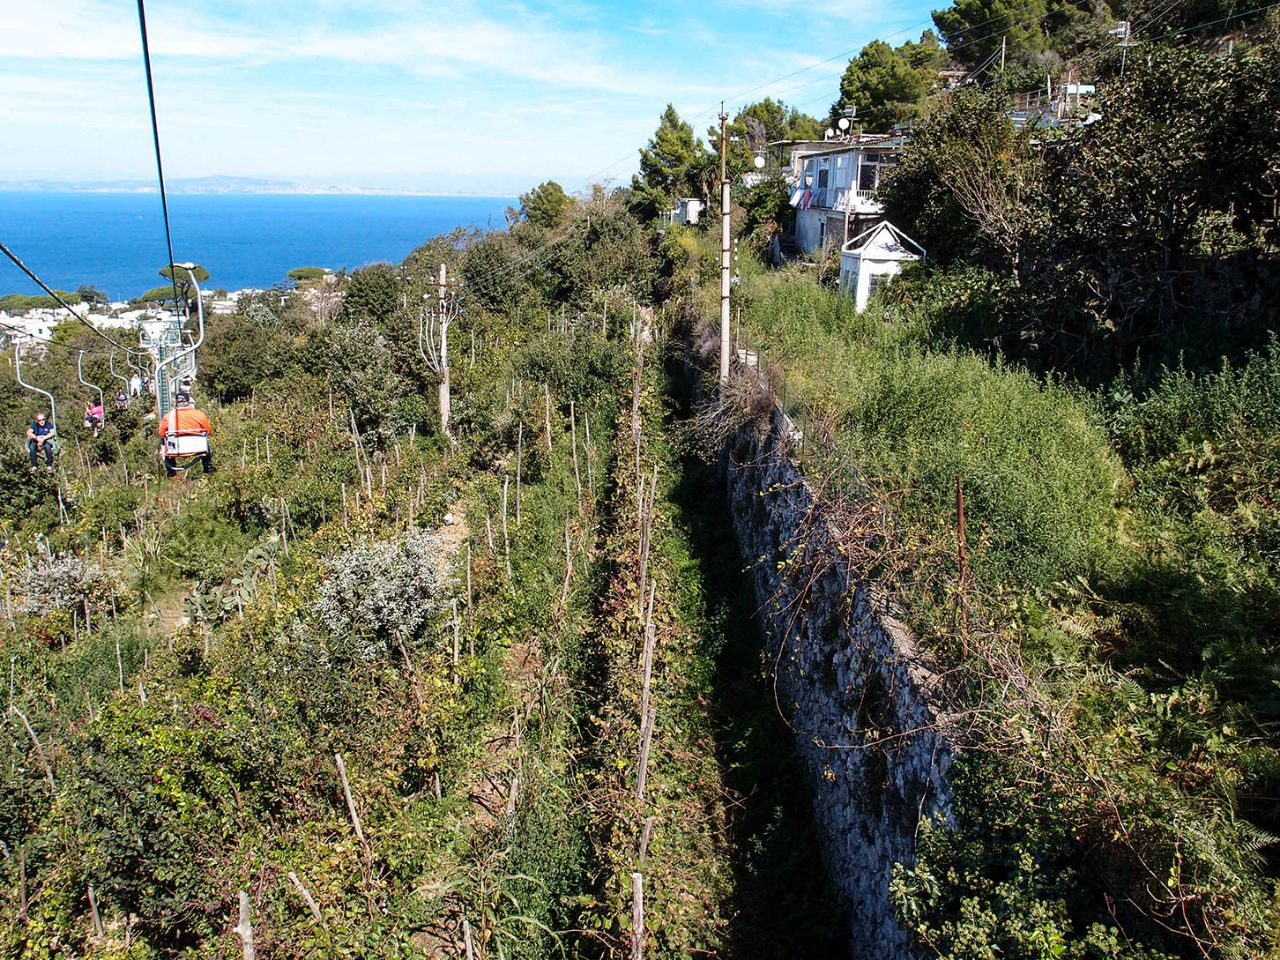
(53, 293)
(155, 137)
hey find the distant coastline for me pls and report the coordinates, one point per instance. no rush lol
(114, 240)
(226, 186)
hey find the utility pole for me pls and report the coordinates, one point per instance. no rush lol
(725, 330)
(445, 398)
(1004, 42)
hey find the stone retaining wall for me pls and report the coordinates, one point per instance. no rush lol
(850, 681)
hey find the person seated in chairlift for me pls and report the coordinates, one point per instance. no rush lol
(41, 436)
(122, 399)
(94, 416)
(185, 420)
(135, 386)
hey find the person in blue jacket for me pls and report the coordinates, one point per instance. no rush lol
(40, 436)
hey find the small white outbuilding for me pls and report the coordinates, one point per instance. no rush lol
(688, 211)
(873, 257)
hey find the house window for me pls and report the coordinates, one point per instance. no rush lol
(823, 174)
(874, 282)
(822, 232)
(868, 176)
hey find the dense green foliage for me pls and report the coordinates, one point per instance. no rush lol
(887, 86)
(546, 205)
(194, 656)
(1134, 599)
(1145, 234)
(669, 166)
(21, 302)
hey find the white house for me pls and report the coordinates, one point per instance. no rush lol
(872, 258)
(833, 185)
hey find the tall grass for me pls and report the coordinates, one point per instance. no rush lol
(1032, 456)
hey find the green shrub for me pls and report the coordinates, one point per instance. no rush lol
(1187, 409)
(240, 357)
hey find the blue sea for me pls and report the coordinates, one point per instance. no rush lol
(115, 241)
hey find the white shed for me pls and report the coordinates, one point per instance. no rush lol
(688, 211)
(872, 257)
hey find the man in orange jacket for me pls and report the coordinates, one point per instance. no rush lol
(185, 420)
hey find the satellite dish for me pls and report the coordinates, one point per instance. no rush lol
(843, 124)
(830, 133)
(759, 163)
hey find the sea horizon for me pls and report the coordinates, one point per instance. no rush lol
(114, 240)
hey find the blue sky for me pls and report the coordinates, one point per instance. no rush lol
(478, 96)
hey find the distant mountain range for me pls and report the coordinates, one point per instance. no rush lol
(199, 185)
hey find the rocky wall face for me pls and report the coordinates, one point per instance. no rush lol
(854, 691)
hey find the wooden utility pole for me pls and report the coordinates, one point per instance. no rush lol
(724, 247)
(637, 917)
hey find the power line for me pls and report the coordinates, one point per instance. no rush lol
(512, 269)
(155, 137)
(1212, 23)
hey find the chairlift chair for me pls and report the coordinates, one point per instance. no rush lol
(48, 395)
(111, 365)
(102, 400)
(179, 451)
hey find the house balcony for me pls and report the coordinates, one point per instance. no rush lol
(836, 200)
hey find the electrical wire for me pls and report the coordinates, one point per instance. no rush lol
(1212, 23)
(155, 137)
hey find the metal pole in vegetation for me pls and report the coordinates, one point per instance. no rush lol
(646, 710)
(244, 929)
(724, 247)
(519, 464)
(645, 836)
(93, 911)
(568, 566)
(306, 896)
(573, 438)
(466, 940)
